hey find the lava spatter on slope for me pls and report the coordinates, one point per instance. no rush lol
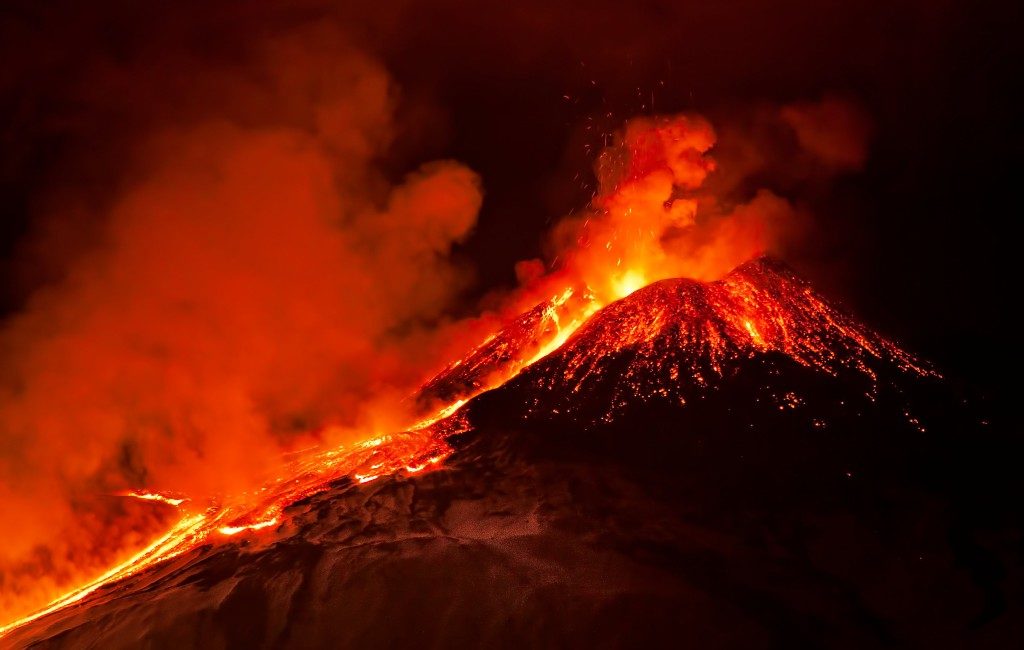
(710, 393)
(676, 338)
(660, 343)
(528, 337)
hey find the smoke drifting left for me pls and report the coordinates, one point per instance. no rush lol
(252, 279)
(228, 247)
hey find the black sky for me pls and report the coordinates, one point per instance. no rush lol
(920, 243)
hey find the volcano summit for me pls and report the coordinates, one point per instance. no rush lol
(734, 463)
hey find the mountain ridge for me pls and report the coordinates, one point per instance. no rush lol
(781, 501)
(677, 338)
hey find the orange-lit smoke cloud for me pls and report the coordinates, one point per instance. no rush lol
(254, 281)
(832, 130)
(656, 214)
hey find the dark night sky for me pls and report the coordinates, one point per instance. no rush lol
(918, 243)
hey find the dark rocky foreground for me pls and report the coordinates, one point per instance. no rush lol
(770, 504)
(757, 529)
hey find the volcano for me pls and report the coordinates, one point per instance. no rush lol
(735, 463)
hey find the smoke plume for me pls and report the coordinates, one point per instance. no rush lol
(667, 205)
(253, 280)
(226, 266)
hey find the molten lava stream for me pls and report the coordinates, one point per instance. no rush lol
(422, 446)
(412, 451)
(755, 322)
(188, 532)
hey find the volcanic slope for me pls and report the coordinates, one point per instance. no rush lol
(682, 337)
(525, 338)
(726, 464)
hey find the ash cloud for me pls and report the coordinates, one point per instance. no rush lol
(225, 238)
(668, 205)
(832, 131)
(251, 278)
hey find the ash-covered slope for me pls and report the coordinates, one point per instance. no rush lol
(507, 351)
(678, 338)
(730, 464)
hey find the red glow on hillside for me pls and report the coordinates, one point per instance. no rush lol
(648, 222)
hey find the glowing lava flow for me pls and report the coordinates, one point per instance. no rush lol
(564, 326)
(685, 330)
(671, 341)
(172, 543)
(155, 496)
(412, 451)
(647, 184)
(420, 447)
(501, 356)
(234, 530)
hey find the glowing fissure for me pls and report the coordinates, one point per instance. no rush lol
(234, 530)
(713, 323)
(413, 451)
(683, 332)
(155, 496)
(185, 534)
(672, 339)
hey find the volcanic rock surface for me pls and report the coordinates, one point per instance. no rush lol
(728, 464)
